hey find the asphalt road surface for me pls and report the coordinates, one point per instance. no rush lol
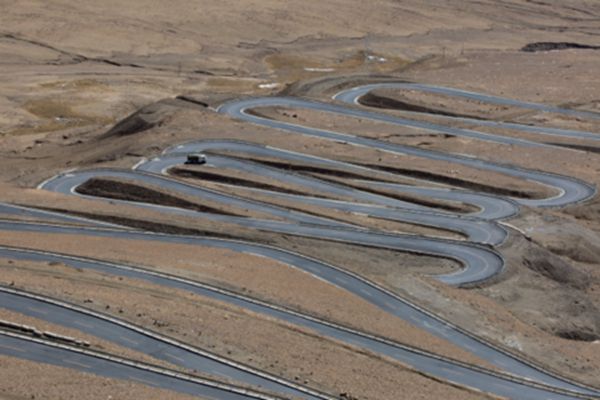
(479, 260)
(48, 352)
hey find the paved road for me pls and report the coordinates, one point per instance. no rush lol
(18, 211)
(111, 329)
(479, 229)
(490, 207)
(47, 352)
(569, 190)
(353, 95)
(134, 337)
(382, 298)
(480, 262)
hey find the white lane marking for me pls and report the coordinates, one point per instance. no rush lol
(390, 304)
(12, 348)
(77, 363)
(142, 381)
(341, 279)
(37, 310)
(137, 164)
(175, 357)
(128, 340)
(83, 324)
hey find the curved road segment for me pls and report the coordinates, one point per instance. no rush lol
(479, 260)
(353, 96)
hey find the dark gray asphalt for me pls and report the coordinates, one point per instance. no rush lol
(134, 337)
(110, 329)
(46, 352)
(478, 229)
(353, 96)
(480, 262)
(569, 190)
(384, 299)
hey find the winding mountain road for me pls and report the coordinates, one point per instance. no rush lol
(520, 379)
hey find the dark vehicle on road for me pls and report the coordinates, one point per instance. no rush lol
(197, 159)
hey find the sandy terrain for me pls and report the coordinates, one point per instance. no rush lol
(71, 74)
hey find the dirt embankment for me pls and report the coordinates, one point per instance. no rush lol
(141, 120)
(555, 286)
(352, 179)
(453, 181)
(374, 100)
(587, 214)
(420, 168)
(591, 149)
(228, 180)
(112, 189)
(547, 46)
(435, 105)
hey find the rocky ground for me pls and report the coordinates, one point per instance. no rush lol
(99, 85)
